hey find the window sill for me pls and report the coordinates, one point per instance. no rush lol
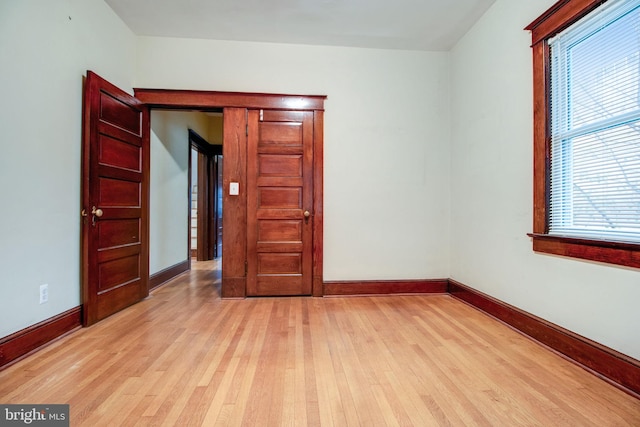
(611, 252)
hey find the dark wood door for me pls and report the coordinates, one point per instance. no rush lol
(279, 203)
(205, 232)
(115, 265)
(218, 208)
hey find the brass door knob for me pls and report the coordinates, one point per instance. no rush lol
(307, 214)
(96, 212)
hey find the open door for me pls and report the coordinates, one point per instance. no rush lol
(217, 253)
(115, 196)
(207, 196)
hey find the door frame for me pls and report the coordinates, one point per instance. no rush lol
(235, 107)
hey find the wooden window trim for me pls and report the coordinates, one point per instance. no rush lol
(558, 17)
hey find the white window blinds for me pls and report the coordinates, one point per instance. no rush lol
(595, 125)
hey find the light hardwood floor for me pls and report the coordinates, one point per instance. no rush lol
(185, 357)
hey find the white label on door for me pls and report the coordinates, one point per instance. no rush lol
(234, 189)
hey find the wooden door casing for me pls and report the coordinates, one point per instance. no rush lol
(279, 203)
(235, 105)
(115, 194)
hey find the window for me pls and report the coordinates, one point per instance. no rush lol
(587, 130)
(595, 125)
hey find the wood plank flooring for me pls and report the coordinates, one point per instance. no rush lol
(185, 357)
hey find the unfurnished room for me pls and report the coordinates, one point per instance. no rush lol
(320, 212)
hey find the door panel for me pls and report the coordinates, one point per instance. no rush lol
(279, 231)
(273, 263)
(117, 271)
(279, 191)
(115, 192)
(115, 266)
(273, 197)
(119, 154)
(118, 111)
(118, 233)
(279, 165)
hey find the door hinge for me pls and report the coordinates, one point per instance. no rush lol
(261, 115)
(246, 268)
(247, 130)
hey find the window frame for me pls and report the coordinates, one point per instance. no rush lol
(558, 17)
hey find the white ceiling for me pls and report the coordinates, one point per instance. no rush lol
(387, 24)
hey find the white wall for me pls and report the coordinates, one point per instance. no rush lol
(169, 185)
(386, 198)
(491, 192)
(45, 49)
(215, 134)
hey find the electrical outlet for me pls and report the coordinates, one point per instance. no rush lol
(44, 293)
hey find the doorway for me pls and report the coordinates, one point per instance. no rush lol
(173, 134)
(205, 192)
(236, 109)
(237, 128)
